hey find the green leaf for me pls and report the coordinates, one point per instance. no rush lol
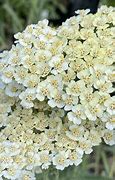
(16, 20)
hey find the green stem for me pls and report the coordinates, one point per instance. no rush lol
(97, 159)
(46, 175)
(57, 175)
(106, 165)
(112, 170)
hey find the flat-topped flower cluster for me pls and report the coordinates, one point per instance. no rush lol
(36, 138)
(56, 98)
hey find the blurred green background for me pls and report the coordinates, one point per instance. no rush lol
(14, 17)
(16, 14)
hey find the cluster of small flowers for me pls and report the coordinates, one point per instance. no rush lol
(56, 98)
(71, 67)
(33, 139)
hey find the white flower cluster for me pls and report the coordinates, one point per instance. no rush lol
(36, 138)
(56, 98)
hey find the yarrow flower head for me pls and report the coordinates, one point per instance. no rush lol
(56, 94)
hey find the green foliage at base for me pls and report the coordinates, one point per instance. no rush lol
(100, 165)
